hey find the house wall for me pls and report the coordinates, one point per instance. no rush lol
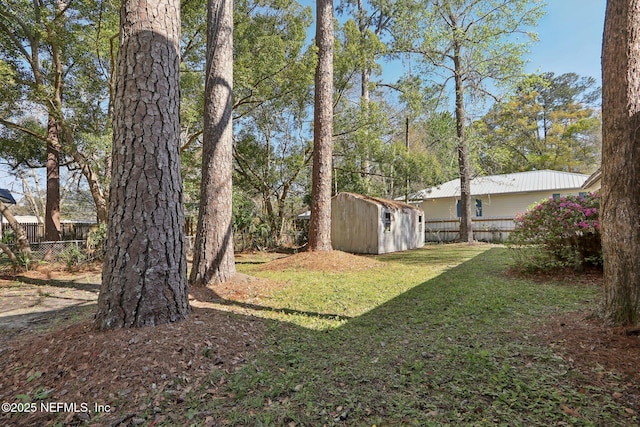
(495, 224)
(595, 186)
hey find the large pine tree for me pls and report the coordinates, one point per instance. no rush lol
(144, 273)
(621, 162)
(320, 221)
(213, 258)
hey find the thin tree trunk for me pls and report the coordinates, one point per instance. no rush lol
(320, 221)
(100, 199)
(7, 250)
(28, 193)
(21, 236)
(144, 271)
(621, 162)
(365, 94)
(52, 227)
(213, 257)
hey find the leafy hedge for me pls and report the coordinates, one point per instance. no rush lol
(558, 233)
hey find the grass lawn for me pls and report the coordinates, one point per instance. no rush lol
(443, 335)
(436, 336)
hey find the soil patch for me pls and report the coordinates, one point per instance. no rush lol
(326, 261)
(567, 276)
(34, 299)
(241, 288)
(126, 377)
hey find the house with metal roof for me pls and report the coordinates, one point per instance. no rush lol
(497, 198)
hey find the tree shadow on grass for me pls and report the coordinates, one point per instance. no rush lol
(209, 295)
(453, 254)
(14, 325)
(58, 283)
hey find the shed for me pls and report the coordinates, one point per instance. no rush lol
(371, 225)
(497, 198)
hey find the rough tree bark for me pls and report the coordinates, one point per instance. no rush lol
(620, 214)
(213, 258)
(464, 167)
(52, 227)
(144, 272)
(320, 221)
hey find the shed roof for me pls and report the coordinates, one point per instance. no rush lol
(390, 204)
(25, 219)
(520, 182)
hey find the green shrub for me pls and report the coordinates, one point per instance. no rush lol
(73, 257)
(9, 237)
(558, 233)
(96, 240)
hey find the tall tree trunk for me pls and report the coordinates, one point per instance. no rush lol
(621, 162)
(52, 227)
(320, 221)
(365, 94)
(466, 225)
(144, 273)
(213, 258)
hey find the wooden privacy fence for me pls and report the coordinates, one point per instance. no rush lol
(484, 229)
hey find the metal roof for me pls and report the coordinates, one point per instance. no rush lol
(520, 182)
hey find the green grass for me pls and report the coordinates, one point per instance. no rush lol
(437, 336)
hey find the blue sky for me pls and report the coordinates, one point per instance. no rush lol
(570, 38)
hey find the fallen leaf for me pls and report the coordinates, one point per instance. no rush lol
(570, 411)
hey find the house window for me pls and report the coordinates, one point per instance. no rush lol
(556, 196)
(387, 221)
(582, 194)
(478, 208)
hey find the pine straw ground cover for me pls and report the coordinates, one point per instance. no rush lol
(441, 335)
